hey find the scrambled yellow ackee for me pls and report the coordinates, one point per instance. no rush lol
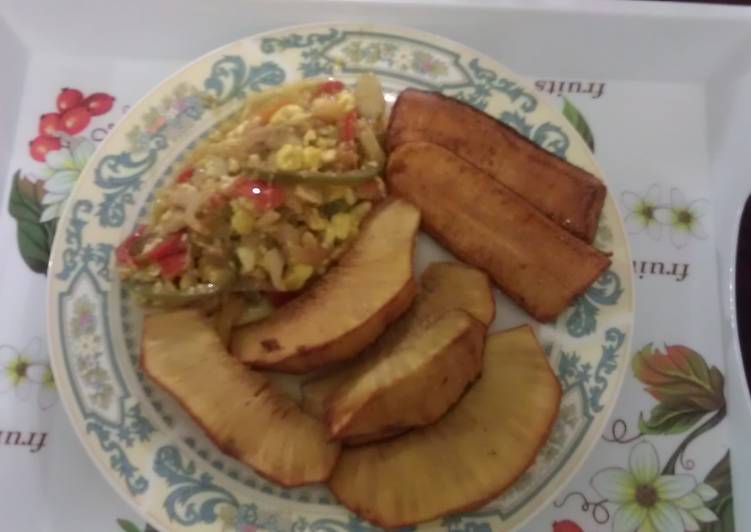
(265, 203)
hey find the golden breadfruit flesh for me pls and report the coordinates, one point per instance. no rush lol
(239, 409)
(410, 349)
(413, 384)
(469, 457)
(446, 286)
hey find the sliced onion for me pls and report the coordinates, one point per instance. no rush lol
(369, 142)
(369, 96)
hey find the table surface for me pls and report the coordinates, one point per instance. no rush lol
(657, 169)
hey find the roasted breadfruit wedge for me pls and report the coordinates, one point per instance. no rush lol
(316, 393)
(533, 260)
(565, 193)
(471, 455)
(434, 351)
(448, 285)
(238, 408)
(347, 308)
(412, 384)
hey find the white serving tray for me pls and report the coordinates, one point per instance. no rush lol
(681, 70)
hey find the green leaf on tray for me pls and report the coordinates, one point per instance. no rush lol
(667, 420)
(722, 505)
(574, 116)
(127, 526)
(684, 385)
(34, 237)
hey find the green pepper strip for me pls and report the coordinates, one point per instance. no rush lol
(196, 293)
(351, 177)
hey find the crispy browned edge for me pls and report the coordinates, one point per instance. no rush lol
(228, 448)
(518, 299)
(400, 302)
(296, 362)
(355, 441)
(595, 200)
(485, 275)
(479, 503)
(359, 441)
(539, 316)
(489, 282)
(389, 432)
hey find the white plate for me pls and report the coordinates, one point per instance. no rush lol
(142, 441)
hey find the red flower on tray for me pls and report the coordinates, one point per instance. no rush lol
(37, 198)
(566, 526)
(72, 116)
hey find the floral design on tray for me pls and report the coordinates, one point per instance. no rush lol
(582, 319)
(566, 525)
(649, 213)
(687, 391)
(643, 495)
(576, 118)
(125, 525)
(26, 372)
(64, 143)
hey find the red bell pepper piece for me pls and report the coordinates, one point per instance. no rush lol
(331, 86)
(173, 244)
(173, 265)
(185, 175)
(348, 127)
(124, 252)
